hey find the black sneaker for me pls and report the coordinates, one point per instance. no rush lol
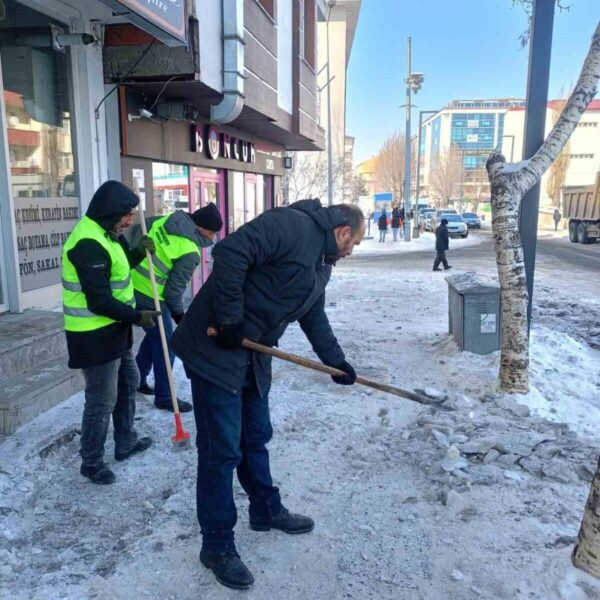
(447, 268)
(141, 445)
(168, 405)
(437, 269)
(98, 474)
(146, 389)
(285, 521)
(228, 568)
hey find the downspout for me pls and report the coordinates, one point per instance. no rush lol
(232, 103)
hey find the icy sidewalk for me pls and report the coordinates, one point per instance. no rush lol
(479, 502)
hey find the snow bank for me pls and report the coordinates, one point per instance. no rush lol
(426, 242)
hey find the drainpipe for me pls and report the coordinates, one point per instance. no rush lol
(233, 63)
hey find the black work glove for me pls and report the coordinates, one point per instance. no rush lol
(347, 379)
(230, 336)
(146, 243)
(177, 318)
(147, 318)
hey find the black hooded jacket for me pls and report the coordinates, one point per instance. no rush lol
(111, 201)
(269, 273)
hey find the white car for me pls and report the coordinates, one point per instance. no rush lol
(456, 225)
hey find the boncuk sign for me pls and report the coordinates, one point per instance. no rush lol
(164, 19)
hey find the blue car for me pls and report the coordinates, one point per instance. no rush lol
(472, 220)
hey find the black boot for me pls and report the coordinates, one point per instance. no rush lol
(228, 568)
(447, 267)
(98, 474)
(141, 445)
(285, 521)
(145, 389)
(168, 405)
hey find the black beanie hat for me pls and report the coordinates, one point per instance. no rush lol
(208, 217)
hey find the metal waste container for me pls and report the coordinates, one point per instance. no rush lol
(474, 313)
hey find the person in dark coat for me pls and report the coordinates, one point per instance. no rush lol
(442, 245)
(557, 217)
(99, 309)
(269, 273)
(382, 223)
(396, 223)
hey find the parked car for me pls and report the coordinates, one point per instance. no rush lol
(424, 217)
(472, 220)
(442, 212)
(456, 225)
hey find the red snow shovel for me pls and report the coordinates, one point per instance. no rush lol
(316, 366)
(181, 439)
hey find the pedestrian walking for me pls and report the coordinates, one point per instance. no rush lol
(269, 273)
(178, 238)
(99, 309)
(557, 217)
(382, 224)
(442, 245)
(396, 223)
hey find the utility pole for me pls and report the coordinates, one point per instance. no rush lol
(540, 47)
(413, 82)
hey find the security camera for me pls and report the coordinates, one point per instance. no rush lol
(145, 113)
(62, 40)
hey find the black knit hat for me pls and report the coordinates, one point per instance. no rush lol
(208, 217)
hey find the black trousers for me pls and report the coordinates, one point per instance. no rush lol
(440, 257)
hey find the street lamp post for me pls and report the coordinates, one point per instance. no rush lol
(413, 83)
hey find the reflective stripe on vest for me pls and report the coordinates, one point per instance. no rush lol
(78, 316)
(169, 247)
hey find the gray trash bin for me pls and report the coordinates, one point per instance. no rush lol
(474, 313)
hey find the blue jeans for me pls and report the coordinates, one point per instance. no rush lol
(232, 433)
(109, 390)
(150, 356)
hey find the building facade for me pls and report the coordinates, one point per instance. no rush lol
(468, 130)
(189, 102)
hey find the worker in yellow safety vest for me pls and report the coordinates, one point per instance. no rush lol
(178, 238)
(99, 309)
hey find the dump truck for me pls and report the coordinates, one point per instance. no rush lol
(581, 205)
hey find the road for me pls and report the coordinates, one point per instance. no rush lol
(561, 265)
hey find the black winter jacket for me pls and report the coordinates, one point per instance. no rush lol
(267, 274)
(441, 239)
(396, 218)
(382, 222)
(111, 201)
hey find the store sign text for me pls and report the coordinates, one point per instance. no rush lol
(43, 226)
(222, 145)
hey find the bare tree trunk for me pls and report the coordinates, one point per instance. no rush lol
(509, 183)
(586, 554)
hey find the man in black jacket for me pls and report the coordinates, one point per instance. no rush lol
(442, 244)
(98, 305)
(269, 273)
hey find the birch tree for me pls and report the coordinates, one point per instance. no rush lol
(558, 171)
(509, 183)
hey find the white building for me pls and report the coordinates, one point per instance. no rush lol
(473, 128)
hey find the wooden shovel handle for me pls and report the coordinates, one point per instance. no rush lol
(317, 366)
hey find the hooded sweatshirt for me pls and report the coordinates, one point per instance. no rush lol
(111, 201)
(267, 274)
(179, 223)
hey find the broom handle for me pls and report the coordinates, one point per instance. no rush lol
(161, 326)
(316, 366)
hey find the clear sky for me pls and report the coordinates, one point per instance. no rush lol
(467, 49)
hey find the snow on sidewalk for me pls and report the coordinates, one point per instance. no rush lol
(410, 503)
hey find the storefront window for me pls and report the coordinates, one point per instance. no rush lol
(171, 187)
(39, 131)
(238, 200)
